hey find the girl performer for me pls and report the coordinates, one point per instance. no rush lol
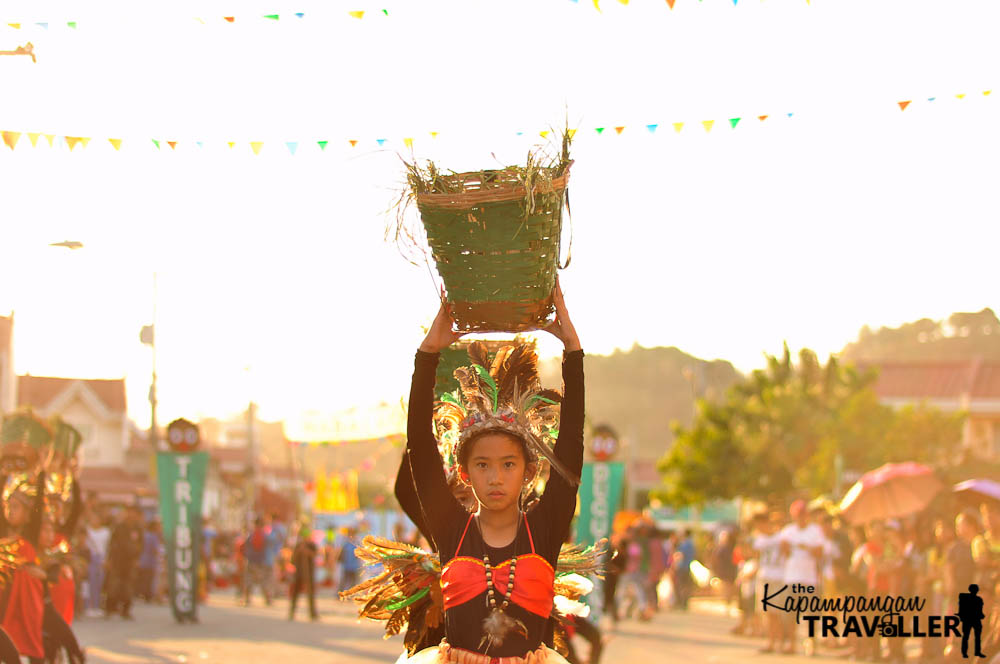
(498, 564)
(22, 604)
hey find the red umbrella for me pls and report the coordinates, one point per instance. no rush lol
(889, 491)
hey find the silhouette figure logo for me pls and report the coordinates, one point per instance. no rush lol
(970, 611)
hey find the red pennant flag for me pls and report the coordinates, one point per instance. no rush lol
(172, 144)
(903, 105)
(10, 138)
(619, 130)
(670, 3)
(352, 142)
(229, 18)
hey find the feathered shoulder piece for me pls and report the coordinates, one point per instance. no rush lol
(501, 395)
(407, 592)
(12, 556)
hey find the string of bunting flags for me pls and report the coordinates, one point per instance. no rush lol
(358, 14)
(12, 138)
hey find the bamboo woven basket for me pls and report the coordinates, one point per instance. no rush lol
(495, 237)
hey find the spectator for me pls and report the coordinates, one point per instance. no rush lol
(124, 548)
(98, 536)
(802, 546)
(148, 559)
(724, 566)
(771, 573)
(683, 583)
(257, 552)
(304, 581)
(349, 563)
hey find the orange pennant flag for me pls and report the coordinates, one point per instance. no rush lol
(762, 117)
(49, 138)
(10, 138)
(961, 96)
(230, 144)
(256, 146)
(229, 18)
(619, 130)
(678, 126)
(903, 105)
(116, 143)
(707, 124)
(33, 138)
(172, 144)
(408, 142)
(357, 14)
(670, 3)
(352, 142)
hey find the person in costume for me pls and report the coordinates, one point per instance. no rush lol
(304, 579)
(57, 561)
(498, 564)
(22, 605)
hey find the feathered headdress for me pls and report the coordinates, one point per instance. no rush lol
(502, 395)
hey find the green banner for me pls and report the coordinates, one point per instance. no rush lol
(601, 485)
(182, 483)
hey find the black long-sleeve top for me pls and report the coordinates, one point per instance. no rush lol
(444, 518)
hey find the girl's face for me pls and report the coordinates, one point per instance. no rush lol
(16, 512)
(496, 468)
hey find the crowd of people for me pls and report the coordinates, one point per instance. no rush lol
(932, 557)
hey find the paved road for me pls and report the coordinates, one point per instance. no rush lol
(230, 634)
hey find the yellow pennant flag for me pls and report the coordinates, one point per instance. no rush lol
(10, 138)
(544, 134)
(321, 498)
(624, 2)
(73, 141)
(353, 500)
(408, 142)
(571, 133)
(707, 124)
(338, 497)
(678, 126)
(16, 26)
(597, 5)
(357, 14)
(986, 93)
(434, 134)
(230, 144)
(33, 138)
(256, 146)
(49, 138)
(961, 96)
(116, 143)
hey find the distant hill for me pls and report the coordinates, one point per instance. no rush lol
(964, 336)
(639, 392)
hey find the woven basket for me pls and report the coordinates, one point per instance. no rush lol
(496, 247)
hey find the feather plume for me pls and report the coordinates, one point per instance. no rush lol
(479, 354)
(472, 393)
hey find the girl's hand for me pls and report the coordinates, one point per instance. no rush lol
(441, 335)
(562, 327)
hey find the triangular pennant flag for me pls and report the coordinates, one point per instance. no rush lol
(273, 17)
(571, 133)
(762, 117)
(599, 130)
(172, 144)
(903, 105)
(322, 144)
(961, 96)
(256, 146)
(619, 130)
(33, 138)
(49, 138)
(43, 25)
(931, 98)
(707, 124)
(229, 18)
(385, 11)
(380, 141)
(520, 133)
(734, 2)
(200, 20)
(230, 144)
(597, 5)
(733, 122)
(408, 142)
(544, 134)
(678, 126)
(986, 93)
(356, 14)
(116, 143)
(652, 128)
(72, 142)
(10, 138)
(300, 14)
(670, 3)
(71, 24)
(16, 26)
(352, 142)
(790, 114)
(434, 134)
(156, 143)
(624, 2)
(292, 146)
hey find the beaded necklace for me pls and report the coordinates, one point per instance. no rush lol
(497, 625)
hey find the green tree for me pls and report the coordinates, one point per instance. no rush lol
(784, 427)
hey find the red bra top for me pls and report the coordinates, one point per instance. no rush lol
(464, 578)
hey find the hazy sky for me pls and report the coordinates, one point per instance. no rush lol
(723, 243)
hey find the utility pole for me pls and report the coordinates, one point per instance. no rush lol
(252, 451)
(153, 434)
